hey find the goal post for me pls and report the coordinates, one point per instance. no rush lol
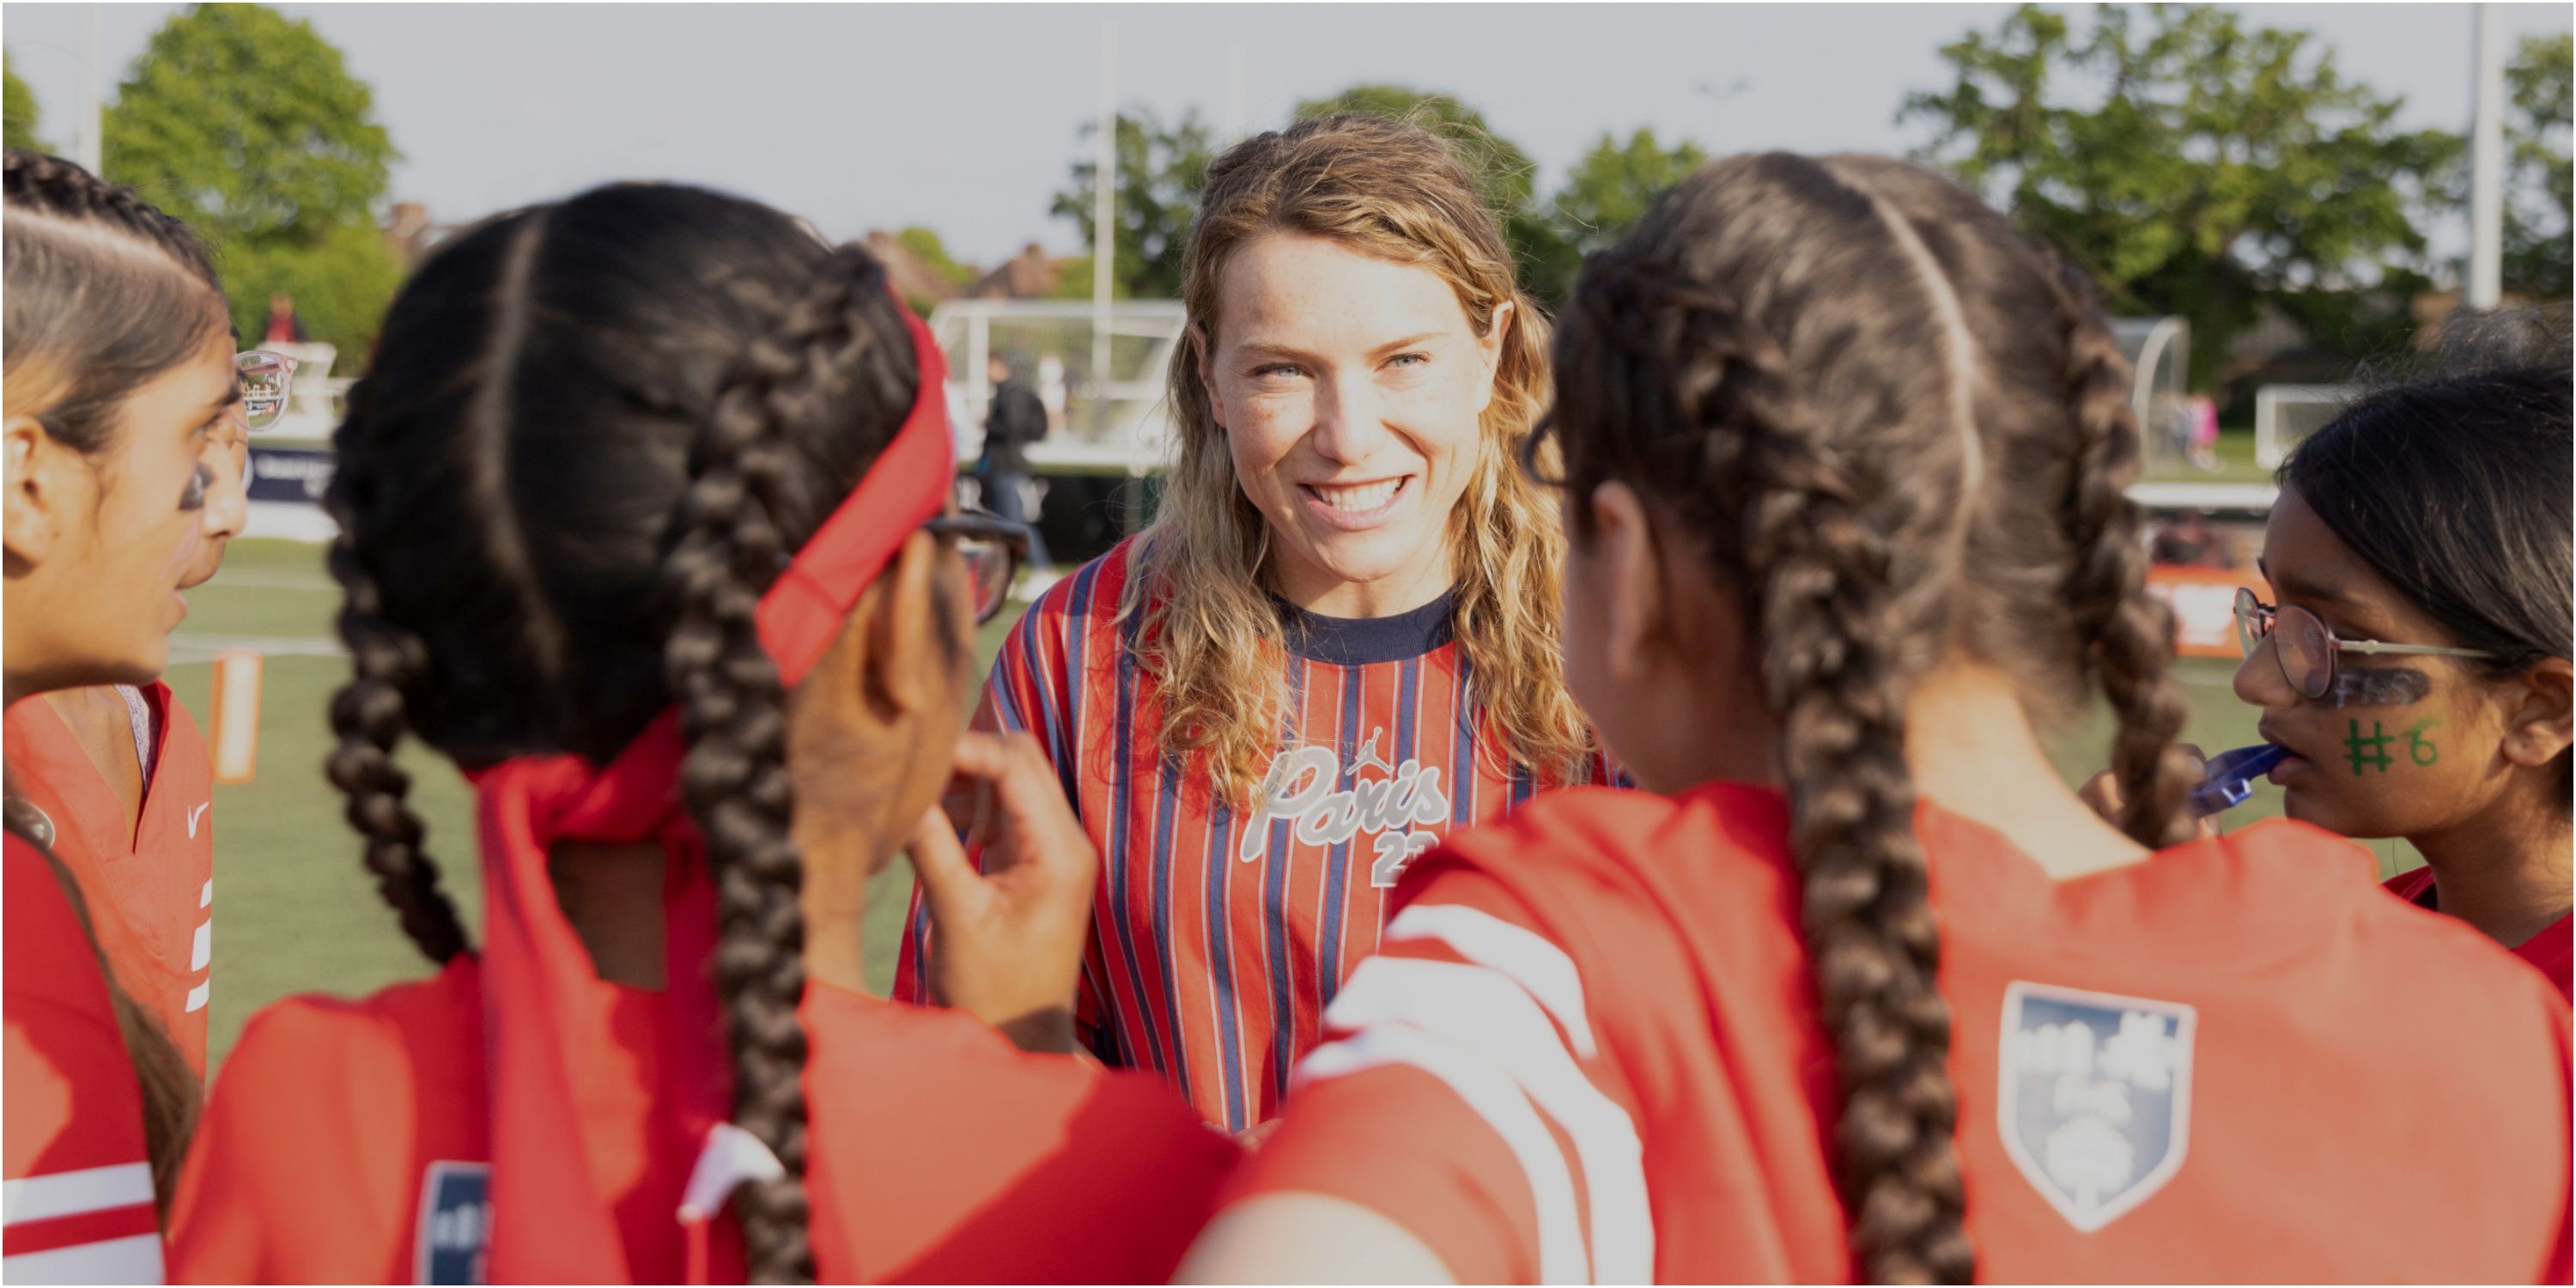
(2284, 414)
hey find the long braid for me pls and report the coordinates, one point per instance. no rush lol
(2106, 590)
(731, 544)
(367, 715)
(1833, 624)
(1829, 611)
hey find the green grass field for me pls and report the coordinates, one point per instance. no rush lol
(294, 911)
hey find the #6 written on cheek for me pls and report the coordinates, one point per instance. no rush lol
(2377, 686)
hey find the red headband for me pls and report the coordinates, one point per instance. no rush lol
(546, 1017)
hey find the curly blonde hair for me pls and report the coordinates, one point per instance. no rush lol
(1211, 636)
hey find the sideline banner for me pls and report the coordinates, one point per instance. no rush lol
(2204, 605)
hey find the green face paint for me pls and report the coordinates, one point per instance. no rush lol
(2368, 752)
(2419, 748)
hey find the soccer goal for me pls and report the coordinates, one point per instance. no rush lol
(1112, 421)
(2159, 354)
(2284, 414)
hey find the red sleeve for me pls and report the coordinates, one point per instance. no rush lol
(1026, 692)
(79, 1205)
(1462, 1094)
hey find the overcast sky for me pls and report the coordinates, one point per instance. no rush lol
(963, 117)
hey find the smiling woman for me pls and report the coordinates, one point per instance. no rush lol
(1339, 639)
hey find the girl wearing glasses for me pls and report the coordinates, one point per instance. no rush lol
(120, 392)
(1338, 640)
(2416, 664)
(641, 509)
(1858, 988)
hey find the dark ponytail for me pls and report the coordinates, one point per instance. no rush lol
(1896, 434)
(731, 543)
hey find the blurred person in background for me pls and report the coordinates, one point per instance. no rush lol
(1015, 420)
(283, 326)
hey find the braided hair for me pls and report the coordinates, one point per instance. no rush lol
(594, 433)
(105, 293)
(1893, 426)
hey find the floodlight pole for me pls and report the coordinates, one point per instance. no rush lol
(2486, 166)
(1104, 229)
(93, 135)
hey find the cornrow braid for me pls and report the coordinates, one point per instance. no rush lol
(2131, 631)
(40, 184)
(367, 715)
(731, 543)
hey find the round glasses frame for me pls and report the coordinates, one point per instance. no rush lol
(2307, 650)
(993, 547)
(267, 382)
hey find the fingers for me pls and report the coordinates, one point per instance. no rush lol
(2102, 793)
(939, 861)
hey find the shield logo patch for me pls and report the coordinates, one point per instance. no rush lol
(2096, 1101)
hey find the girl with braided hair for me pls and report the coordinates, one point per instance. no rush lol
(641, 509)
(1336, 643)
(120, 392)
(1859, 988)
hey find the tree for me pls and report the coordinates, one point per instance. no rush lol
(2216, 169)
(2537, 208)
(1160, 172)
(1506, 178)
(249, 126)
(18, 108)
(926, 246)
(1614, 183)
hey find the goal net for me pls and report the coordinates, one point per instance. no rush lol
(2284, 414)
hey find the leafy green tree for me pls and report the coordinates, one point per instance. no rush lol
(18, 108)
(1614, 183)
(926, 246)
(2538, 198)
(249, 126)
(1161, 169)
(2190, 163)
(1506, 177)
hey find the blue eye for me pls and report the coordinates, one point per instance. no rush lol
(1277, 369)
(1410, 359)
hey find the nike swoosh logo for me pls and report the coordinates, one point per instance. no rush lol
(195, 814)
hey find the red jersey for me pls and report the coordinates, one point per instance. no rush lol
(2549, 951)
(79, 1186)
(1590, 1051)
(151, 891)
(1219, 937)
(349, 1141)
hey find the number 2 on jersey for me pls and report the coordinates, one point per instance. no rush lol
(1394, 851)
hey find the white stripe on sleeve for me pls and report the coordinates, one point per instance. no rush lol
(1487, 940)
(134, 1259)
(89, 1189)
(1486, 1014)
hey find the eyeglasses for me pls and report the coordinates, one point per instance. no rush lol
(267, 378)
(993, 548)
(2306, 648)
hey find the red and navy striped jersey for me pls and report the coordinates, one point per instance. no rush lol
(1219, 936)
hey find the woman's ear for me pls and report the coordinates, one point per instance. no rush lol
(903, 671)
(1489, 347)
(2539, 729)
(37, 487)
(1624, 558)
